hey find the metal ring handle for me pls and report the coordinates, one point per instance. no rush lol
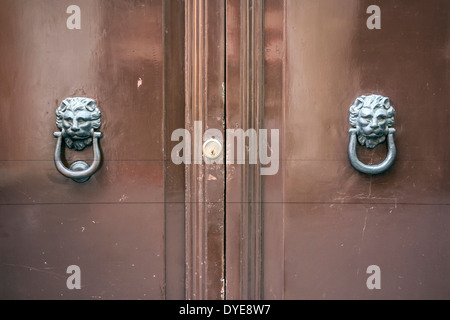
(79, 171)
(372, 169)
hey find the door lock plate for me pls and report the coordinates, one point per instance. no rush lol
(212, 149)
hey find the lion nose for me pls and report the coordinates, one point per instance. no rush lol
(75, 126)
(374, 123)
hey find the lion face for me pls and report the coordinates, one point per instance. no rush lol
(77, 128)
(372, 116)
(76, 117)
(372, 126)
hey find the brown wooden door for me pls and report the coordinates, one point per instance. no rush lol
(313, 230)
(145, 227)
(124, 228)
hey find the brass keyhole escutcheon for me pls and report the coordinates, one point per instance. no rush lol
(212, 149)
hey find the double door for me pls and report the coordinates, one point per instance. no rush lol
(282, 213)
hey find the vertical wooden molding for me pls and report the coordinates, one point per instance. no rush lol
(274, 118)
(245, 106)
(194, 187)
(204, 64)
(252, 76)
(174, 175)
(255, 64)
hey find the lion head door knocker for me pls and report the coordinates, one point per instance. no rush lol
(372, 118)
(77, 118)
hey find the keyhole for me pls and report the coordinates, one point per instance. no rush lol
(212, 149)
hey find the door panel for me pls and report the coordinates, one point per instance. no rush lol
(329, 247)
(115, 226)
(323, 222)
(336, 221)
(119, 254)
